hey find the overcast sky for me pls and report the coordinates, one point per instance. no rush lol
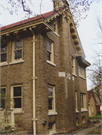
(87, 30)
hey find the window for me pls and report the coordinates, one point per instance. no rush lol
(83, 100)
(83, 119)
(73, 65)
(17, 96)
(77, 121)
(3, 53)
(3, 91)
(52, 127)
(81, 71)
(51, 98)
(50, 53)
(76, 104)
(17, 50)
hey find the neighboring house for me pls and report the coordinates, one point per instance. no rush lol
(94, 104)
(43, 69)
(91, 104)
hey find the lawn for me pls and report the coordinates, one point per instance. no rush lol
(96, 131)
(95, 117)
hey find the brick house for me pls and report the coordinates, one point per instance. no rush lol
(43, 70)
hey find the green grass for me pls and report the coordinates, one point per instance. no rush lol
(95, 117)
(96, 131)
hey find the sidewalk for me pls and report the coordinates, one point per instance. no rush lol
(87, 130)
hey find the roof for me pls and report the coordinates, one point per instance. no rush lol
(83, 61)
(89, 96)
(46, 15)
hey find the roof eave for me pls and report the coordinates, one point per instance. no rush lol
(83, 61)
(27, 25)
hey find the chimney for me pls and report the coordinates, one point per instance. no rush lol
(59, 4)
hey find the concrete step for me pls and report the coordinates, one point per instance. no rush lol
(22, 132)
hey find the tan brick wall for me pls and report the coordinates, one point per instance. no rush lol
(47, 74)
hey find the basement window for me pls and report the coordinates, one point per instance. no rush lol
(52, 127)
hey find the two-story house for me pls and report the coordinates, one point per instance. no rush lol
(43, 69)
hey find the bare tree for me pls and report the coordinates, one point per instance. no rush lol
(99, 28)
(95, 75)
(78, 7)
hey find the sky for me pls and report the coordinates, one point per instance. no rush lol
(87, 30)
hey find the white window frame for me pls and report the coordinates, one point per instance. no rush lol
(4, 62)
(83, 101)
(13, 49)
(51, 52)
(12, 97)
(53, 102)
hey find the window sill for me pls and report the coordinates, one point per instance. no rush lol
(49, 62)
(74, 74)
(3, 64)
(76, 111)
(82, 77)
(84, 110)
(52, 132)
(1, 109)
(56, 34)
(16, 62)
(17, 111)
(52, 113)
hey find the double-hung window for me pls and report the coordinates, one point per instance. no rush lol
(83, 101)
(2, 94)
(81, 71)
(17, 96)
(51, 98)
(3, 53)
(50, 53)
(17, 50)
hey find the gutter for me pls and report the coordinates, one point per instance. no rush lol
(34, 114)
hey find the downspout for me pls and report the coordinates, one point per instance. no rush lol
(34, 115)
